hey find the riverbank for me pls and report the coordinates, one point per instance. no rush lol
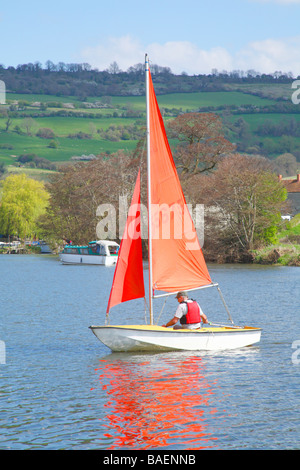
(21, 249)
(284, 254)
(286, 251)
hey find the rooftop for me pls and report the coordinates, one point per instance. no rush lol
(292, 183)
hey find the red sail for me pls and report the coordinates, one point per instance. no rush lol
(128, 282)
(178, 262)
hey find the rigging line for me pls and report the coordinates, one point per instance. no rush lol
(164, 304)
(224, 326)
(146, 307)
(224, 303)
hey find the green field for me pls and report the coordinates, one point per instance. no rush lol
(66, 148)
(194, 101)
(90, 121)
(255, 120)
(64, 126)
(268, 90)
(184, 100)
(36, 173)
(40, 98)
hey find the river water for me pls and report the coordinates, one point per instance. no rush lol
(62, 389)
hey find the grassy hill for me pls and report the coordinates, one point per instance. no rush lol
(79, 126)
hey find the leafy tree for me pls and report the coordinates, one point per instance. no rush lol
(52, 144)
(243, 134)
(23, 201)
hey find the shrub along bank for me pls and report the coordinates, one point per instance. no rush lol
(286, 251)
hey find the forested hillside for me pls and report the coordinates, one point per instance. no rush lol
(82, 81)
(68, 112)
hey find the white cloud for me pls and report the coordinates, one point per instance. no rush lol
(271, 55)
(125, 50)
(178, 55)
(184, 56)
(265, 56)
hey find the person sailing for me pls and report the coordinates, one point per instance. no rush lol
(188, 312)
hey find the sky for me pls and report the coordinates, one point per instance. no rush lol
(191, 36)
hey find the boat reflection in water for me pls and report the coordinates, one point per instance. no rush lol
(156, 401)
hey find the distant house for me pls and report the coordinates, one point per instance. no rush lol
(292, 186)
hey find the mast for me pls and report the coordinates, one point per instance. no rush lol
(149, 190)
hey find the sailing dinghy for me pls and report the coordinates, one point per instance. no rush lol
(176, 261)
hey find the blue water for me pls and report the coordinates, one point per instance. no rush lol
(62, 389)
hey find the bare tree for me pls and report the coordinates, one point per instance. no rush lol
(114, 68)
(202, 142)
(243, 200)
(28, 123)
(8, 123)
(77, 191)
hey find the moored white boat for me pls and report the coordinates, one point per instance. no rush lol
(104, 252)
(176, 263)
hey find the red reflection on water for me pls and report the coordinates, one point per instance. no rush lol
(157, 402)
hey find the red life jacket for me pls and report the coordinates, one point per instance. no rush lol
(193, 313)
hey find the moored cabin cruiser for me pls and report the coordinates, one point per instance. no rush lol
(103, 252)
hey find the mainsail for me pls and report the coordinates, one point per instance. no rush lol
(177, 259)
(128, 282)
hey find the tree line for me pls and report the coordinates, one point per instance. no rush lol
(284, 127)
(138, 69)
(80, 79)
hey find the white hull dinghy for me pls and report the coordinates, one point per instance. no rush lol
(176, 263)
(131, 338)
